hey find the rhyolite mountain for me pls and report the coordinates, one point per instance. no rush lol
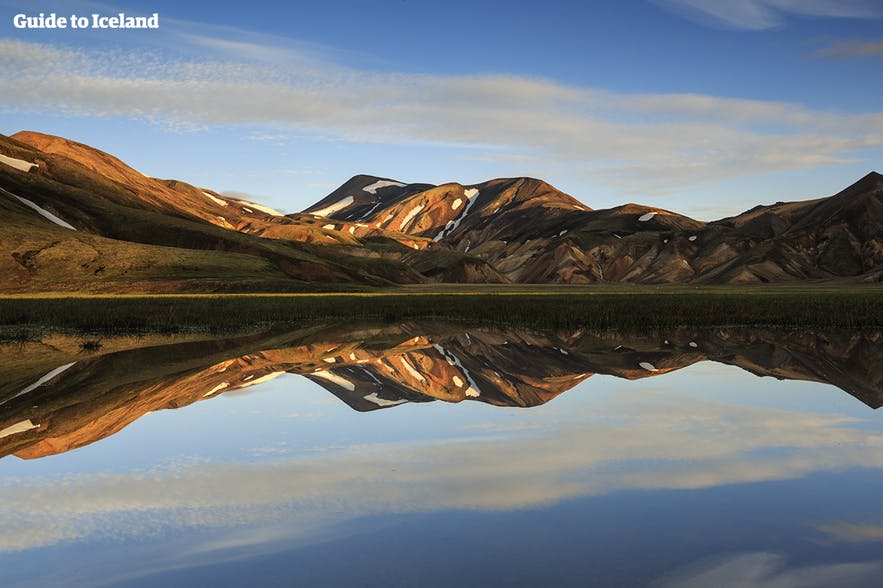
(529, 232)
(78, 219)
(56, 396)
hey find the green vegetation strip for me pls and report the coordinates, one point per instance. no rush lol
(601, 309)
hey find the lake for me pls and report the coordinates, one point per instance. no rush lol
(438, 454)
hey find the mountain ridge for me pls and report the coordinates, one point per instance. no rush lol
(71, 208)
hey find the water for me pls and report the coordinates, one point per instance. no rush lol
(430, 455)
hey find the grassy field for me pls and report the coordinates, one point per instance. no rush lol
(617, 307)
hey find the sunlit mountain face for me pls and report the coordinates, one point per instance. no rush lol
(79, 219)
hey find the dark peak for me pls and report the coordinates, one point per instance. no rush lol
(870, 183)
(368, 179)
(872, 177)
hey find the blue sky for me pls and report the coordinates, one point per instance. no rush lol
(706, 107)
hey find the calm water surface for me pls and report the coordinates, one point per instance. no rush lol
(430, 455)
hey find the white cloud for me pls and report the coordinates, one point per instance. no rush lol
(647, 142)
(851, 532)
(767, 14)
(693, 444)
(770, 570)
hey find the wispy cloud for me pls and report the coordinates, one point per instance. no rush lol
(647, 142)
(771, 570)
(854, 48)
(755, 15)
(694, 444)
(852, 532)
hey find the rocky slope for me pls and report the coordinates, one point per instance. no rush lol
(524, 230)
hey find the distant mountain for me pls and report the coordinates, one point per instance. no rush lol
(526, 231)
(79, 219)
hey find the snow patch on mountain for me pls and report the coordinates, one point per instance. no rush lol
(372, 209)
(335, 379)
(452, 225)
(45, 378)
(262, 379)
(19, 164)
(473, 391)
(41, 211)
(373, 397)
(262, 208)
(410, 216)
(216, 389)
(21, 427)
(410, 369)
(645, 217)
(332, 208)
(215, 199)
(372, 189)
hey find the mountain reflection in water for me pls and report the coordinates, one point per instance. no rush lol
(56, 396)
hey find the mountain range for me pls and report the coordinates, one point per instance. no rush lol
(57, 395)
(76, 219)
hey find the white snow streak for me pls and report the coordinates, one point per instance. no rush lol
(452, 225)
(42, 380)
(414, 212)
(372, 189)
(334, 207)
(41, 211)
(410, 369)
(645, 217)
(372, 209)
(19, 164)
(373, 397)
(473, 391)
(262, 379)
(260, 207)
(335, 379)
(217, 388)
(21, 427)
(215, 199)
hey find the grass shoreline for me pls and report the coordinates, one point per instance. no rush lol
(556, 307)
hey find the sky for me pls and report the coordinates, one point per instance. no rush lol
(706, 107)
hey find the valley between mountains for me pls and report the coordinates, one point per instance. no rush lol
(76, 219)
